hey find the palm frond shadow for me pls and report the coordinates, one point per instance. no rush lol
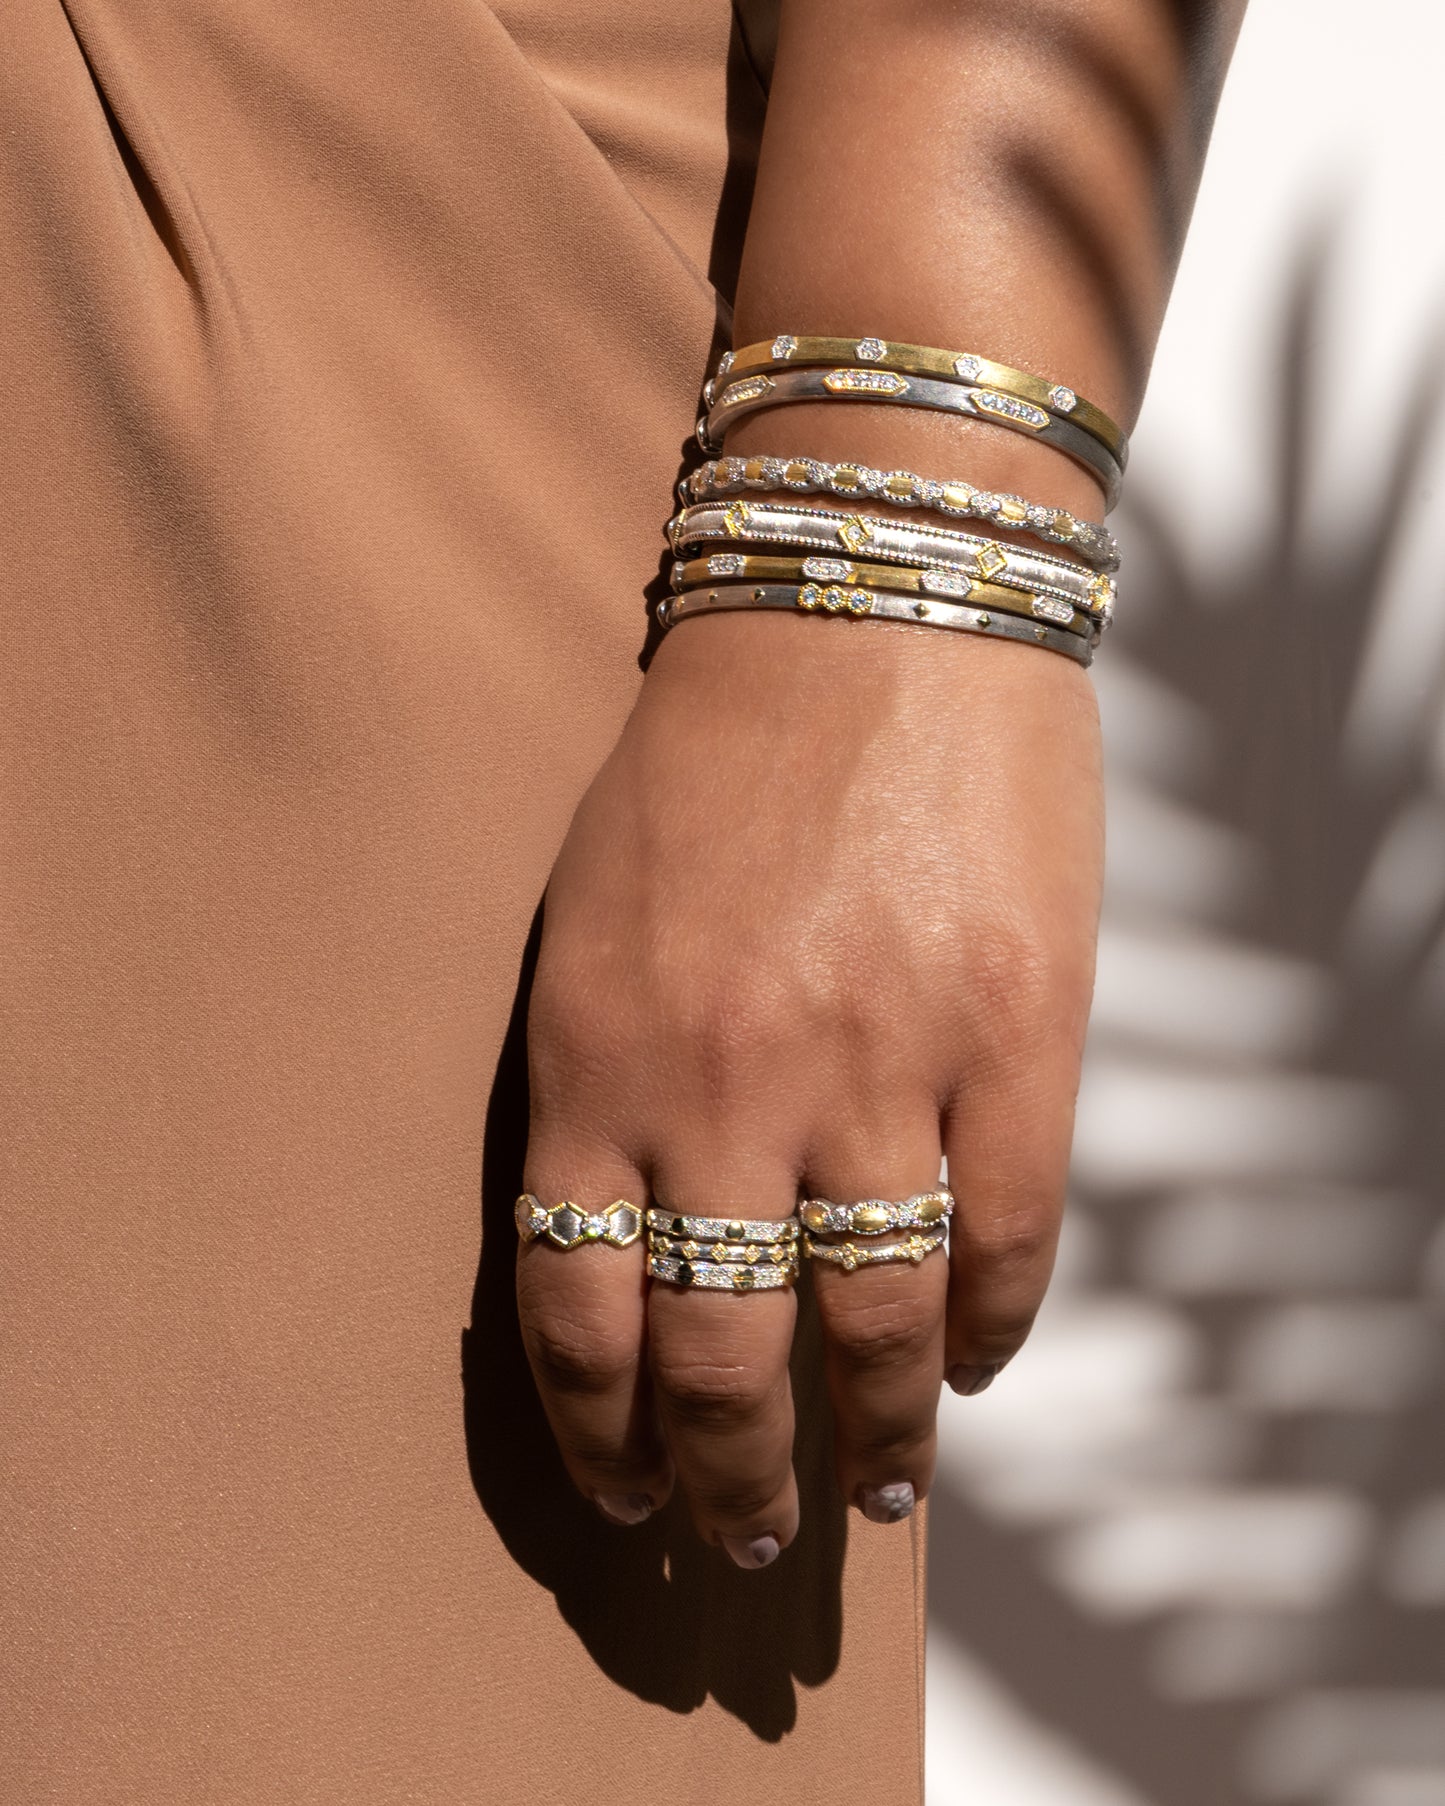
(1273, 664)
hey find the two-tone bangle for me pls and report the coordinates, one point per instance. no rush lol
(742, 399)
(850, 581)
(847, 602)
(788, 351)
(892, 542)
(958, 500)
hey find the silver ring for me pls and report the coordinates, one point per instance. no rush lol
(721, 1279)
(749, 1254)
(565, 1226)
(722, 1229)
(850, 1256)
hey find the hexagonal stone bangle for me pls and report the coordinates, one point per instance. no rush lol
(566, 1226)
(875, 1216)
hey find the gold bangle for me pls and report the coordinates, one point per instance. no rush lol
(827, 576)
(786, 352)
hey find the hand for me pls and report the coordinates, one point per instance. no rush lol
(827, 913)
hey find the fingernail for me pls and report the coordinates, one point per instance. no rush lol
(756, 1553)
(888, 1504)
(968, 1380)
(624, 1507)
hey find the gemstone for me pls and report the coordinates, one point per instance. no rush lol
(724, 564)
(1052, 609)
(1063, 399)
(810, 596)
(859, 602)
(917, 1248)
(990, 561)
(849, 1257)
(735, 1230)
(835, 599)
(690, 1250)
(679, 1226)
(719, 1251)
(565, 1225)
(870, 350)
(736, 393)
(685, 1274)
(814, 1216)
(777, 1254)
(827, 568)
(1006, 407)
(855, 533)
(869, 1219)
(1101, 592)
(743, 1280)
(735, 517)
(946, 583)
(729, 358)
(860, 382)
(752, 1254)
(594, 1229)
(784, 345)
(969, 368)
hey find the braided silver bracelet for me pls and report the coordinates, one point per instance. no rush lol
(1094, 543)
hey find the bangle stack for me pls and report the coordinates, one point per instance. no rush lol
(838, 560)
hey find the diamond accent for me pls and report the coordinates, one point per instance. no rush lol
(719, 1251)
(594, 1229)
(737, 393)
(968, 367)
(861, 382)
(855, 534)
(946, 583)
(729, 358)
(1052, 609)
(724, 564)
(810, 596)
(990, 561)
(835, 600)
(784, 345)
(827, 569)
(735, 518)
(1101, 591)
(1063, 399)
(871, 350)
(1007, 407)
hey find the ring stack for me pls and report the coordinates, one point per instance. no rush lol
(945, 578)
(728, 1254)
(925, 1214)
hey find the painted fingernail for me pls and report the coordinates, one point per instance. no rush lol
(624, 1507)
(888, 1504)
(968, 1380)
(756, 1553)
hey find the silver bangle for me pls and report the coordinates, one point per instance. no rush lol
(892, 542)
(880, 604)
(916, 1248)
(789, 350)
(876, 1216)
(777, 1254)
(1094, 543)
(739, 400)
(565, 1226)
(723, 1229)
(719, 1278)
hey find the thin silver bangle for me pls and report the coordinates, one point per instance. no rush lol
(740, 400)
(892, 542)
(958, 500)
(875, 604)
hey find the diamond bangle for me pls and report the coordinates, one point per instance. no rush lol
(718, 1278)
(739, 400)
(876, 1216)
(788, 352)
(849, 1255)
(893, 542)
(1094, 543)
(565, 1226)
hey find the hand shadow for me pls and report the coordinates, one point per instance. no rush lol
(660, 1613)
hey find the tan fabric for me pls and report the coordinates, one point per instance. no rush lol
(341, 342)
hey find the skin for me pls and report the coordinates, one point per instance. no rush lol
(827, 914)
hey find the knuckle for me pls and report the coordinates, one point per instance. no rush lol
(568, 1361)
(869, 1336)
(738, 1501)
(708, 1394)
(1017, 1242)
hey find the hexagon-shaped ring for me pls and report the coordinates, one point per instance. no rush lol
(567, 1226)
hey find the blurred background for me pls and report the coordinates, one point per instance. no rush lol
(1190, 1549)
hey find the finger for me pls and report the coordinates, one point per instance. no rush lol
(882, 1325)
(720, 1371)
(1007, 1140)
(584, 1322)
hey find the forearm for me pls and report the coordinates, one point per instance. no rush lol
(1009, 180)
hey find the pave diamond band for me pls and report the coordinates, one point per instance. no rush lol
(719, 477)
(997, 623)
(744, 398)
(876, 1216)
(567, 1225)
(891, 542)
(928, 361)
(710, 1277)
(722, 1229)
